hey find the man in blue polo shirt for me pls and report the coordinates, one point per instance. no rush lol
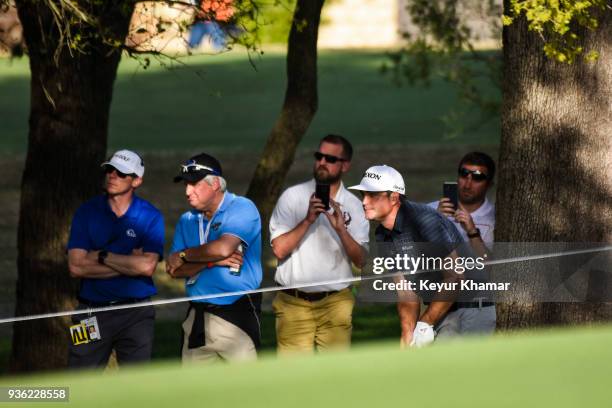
(217, 249)
(116, 240)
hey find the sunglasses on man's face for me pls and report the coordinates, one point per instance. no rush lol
(328, 158)
(477, 175)
(109, 170)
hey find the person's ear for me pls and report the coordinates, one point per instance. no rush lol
(216, 185)
(346, 166)
(136, 182)
(395, 198)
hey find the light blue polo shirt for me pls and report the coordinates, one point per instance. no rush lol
(96, 227)
(236, 216)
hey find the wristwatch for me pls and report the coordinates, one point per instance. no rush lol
(183, 257)
(474, 234)
(102, 256)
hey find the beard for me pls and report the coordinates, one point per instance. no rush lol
(322, 175)
(470, 199)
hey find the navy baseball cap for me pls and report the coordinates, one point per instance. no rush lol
(198, 167)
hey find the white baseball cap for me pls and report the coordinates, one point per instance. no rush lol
(381, 178)
(126, 161)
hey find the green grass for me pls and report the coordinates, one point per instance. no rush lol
(558, 369)
(223, 102)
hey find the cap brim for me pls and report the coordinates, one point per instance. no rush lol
(117, 166)
(191, 177)
(362, 187)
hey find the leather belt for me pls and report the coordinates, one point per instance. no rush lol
(111, 303)
(311, 297)
(471, 305)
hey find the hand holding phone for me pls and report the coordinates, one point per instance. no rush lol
(449, 190)
(322, 193)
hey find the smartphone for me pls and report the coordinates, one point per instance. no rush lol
(236, 271)
(449, 190)
(322, 193)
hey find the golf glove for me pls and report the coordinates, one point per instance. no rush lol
(423, 335)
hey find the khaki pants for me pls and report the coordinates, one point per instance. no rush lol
(301, 325)
(224, 341)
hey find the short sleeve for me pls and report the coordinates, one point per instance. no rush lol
(359, 226)
(178, 241)
(154, 237)
(243, 221)
(283, 219)
(79, 231)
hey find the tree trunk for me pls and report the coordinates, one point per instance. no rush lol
(297, 113)
(68, 124)
(555, 178)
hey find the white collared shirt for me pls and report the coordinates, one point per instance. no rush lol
(484, 219)
(319, 256)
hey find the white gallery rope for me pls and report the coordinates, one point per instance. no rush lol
(277, 288)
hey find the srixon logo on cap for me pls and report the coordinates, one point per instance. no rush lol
(372, 175)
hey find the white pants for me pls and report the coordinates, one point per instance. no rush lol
(223, 341)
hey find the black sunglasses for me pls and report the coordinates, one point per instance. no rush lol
(328, 157)
(477, 175)
(109, 170)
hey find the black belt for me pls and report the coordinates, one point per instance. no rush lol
(471, 305)
(111, 303)
(311, 297)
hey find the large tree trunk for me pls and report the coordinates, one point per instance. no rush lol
(555, 178)
(297, 112)
(70, 103)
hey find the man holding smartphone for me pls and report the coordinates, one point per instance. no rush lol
(475, 215)
(475, 221)
(314, 248)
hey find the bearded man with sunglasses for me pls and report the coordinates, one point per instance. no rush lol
(475, 221)
(315, 248)
(116, 241)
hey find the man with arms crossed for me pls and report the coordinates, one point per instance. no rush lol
(116, 240)
(217, 249)
(406, 222)
(314, 245)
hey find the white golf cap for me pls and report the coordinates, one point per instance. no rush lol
(126, 161)
(381, 178)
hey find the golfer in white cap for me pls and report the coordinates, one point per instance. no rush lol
(383, 190)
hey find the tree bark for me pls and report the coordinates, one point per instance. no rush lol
(298, 110)
(68, 125)
(555, 176)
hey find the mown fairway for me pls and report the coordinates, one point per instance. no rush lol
(553, 369)
(224, 102)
